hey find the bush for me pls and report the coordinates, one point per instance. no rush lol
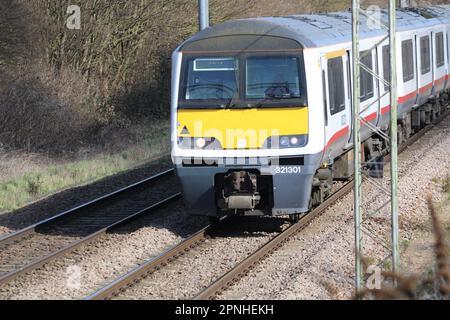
(34, 119)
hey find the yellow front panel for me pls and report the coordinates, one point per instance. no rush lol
(242, 128)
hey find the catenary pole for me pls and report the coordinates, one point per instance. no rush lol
(203, 14)
(394, 139)
(359, 217)
(356, 5)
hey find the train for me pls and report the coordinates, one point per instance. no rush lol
(261, 108)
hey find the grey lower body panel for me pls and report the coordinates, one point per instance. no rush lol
(423, 97)
(291, 187)
(406, 107)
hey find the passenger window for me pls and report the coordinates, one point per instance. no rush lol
(408, 60)
(425, 57)
(440, 53)
(336, 86)
(366, 88)
(386, 66)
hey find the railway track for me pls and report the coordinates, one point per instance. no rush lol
(118, 288)
(38, 244)
(134, 277)
(209, 237)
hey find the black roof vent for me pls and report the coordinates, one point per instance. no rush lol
(313, 22)
(422, 12)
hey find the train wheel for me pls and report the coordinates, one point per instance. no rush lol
(376, 168)
(294, 218)
(401, 134)
(214, 220)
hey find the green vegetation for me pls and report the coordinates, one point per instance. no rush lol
(405, 244)
(39, 183)
(447, 187)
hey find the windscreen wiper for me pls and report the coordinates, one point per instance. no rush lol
(272, 98)
(230, 104)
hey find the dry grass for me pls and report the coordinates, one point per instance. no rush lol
(435, 285)
(25, 178)
(15, 164)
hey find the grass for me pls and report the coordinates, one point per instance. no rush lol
(447, 187)
(405, 244)
(38, 183)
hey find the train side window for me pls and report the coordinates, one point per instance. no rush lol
(386, 66)
(366, 88)
(440, 53)
(425, 57)
(336, 87)
(408, 60)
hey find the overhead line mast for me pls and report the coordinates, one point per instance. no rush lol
(359, 216)
(203, 14)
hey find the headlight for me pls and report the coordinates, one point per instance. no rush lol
(294, 141)
(284, 142)
(199, 143)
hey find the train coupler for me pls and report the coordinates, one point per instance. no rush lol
(239, 191)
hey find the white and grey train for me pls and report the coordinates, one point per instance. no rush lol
(261, 107)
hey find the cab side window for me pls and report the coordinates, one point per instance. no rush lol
(425, 58)
(440, 52)
(366, 86)
(408, 60)
(336, 86)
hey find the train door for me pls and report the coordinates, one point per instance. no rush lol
(384, 64)
(369, 91)
(408, 83)
(338, 108)
(439, 58)
(416, 67)
(424, 67)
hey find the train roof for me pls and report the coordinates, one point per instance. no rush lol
(317, 30)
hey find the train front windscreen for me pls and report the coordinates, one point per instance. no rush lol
(248, 80)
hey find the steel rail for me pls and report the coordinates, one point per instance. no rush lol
(15, 237)
(249, 263)
(142, 271)
(93, 236)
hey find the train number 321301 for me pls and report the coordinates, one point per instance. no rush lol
(288, 170)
